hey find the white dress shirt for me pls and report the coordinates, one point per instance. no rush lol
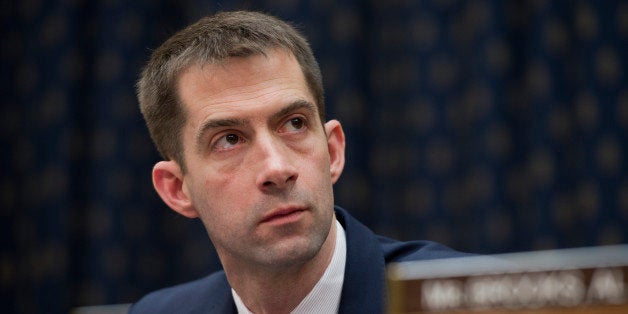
(325, 296)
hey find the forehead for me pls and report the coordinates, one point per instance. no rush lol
(242, 82)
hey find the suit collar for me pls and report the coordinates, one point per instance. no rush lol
(365, 268)
(220, 299)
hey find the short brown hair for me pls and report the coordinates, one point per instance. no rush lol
(213, 39)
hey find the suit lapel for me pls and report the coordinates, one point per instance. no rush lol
(219, 299)
(364, 271)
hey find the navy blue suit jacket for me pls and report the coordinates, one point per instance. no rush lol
(363, 290)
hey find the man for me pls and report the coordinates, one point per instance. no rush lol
(234, 104)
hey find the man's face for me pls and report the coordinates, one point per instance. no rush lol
(259, 172)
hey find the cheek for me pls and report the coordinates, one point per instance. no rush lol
(322, 160)
(317, 168)
(220, 209)
(225, 193)
(229, 180)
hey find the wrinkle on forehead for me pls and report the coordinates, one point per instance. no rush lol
(241, 76)
(237, 73)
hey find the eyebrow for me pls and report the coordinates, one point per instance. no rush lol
(294, 106)
(223, 123)
(215, 124)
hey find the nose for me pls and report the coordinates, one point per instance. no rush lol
(277, 170)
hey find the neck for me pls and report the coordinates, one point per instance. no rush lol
(273, 290)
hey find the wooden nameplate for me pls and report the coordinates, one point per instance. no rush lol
(584, 280)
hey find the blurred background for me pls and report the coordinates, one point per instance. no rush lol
(490, 126)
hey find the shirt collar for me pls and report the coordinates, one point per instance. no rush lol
(325, 296)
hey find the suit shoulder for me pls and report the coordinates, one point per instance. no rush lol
(191, 297)
(397, 251)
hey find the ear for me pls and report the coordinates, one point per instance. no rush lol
(336, 146)
(168, 181)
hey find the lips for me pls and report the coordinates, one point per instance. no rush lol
(283, 215)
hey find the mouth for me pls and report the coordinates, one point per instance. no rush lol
(283, 216)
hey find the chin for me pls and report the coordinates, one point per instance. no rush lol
(291, 254)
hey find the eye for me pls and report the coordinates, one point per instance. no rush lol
(227, 141)
(294, 125)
